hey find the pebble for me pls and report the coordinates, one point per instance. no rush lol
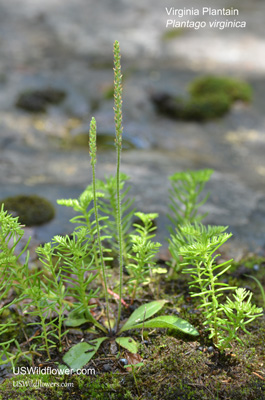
(256, 267)
(106, 367)
(123, 361)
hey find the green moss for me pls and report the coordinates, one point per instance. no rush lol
(207, 107)
(234, 89)
(106, 386)
(173, 369)
(31, 210)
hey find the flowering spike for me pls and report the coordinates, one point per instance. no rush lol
(92, 141)
(117, 94)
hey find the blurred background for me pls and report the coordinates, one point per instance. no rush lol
(56, 72)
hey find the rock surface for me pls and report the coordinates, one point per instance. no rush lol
(68, 46)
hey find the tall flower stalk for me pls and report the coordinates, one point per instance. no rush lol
(118, 142)
(93, 152)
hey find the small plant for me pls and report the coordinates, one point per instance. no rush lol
(134, 367)
(11, 233)
(185, 201)
(260, 287)
(81, 353)
(143, 252)
(186, 188)
(239, 312)
(108, 206)
(92, 147)
(198, 246)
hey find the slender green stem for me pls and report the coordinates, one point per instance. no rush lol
(214, 301)
(118, 141)
(93, 150)
(44, 330)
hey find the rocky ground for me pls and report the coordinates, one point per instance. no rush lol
(68, 46)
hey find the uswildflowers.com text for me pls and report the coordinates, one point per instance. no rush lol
(52, 371)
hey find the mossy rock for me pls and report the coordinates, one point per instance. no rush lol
(38, 100)
(210, 97)
(205, 108)
(193, 109)
(234, 89)
(31, 210)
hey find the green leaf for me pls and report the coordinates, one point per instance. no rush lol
(73, 322)
(128, 343)
(169, 321)
(143, 313)
(80, 354)
(75, 319)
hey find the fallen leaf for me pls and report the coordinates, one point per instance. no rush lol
(132, 359)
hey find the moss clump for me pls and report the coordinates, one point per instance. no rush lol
(234, 89)
(205, 108)
(31, 210)
(73, 387)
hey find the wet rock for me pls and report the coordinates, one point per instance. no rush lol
(210, 349)
(31, 210)
(35, 101)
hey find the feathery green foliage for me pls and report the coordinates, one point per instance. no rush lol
(186, 188)
(143, 252)
(108, 206)
(198, 245)
(185, 201)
